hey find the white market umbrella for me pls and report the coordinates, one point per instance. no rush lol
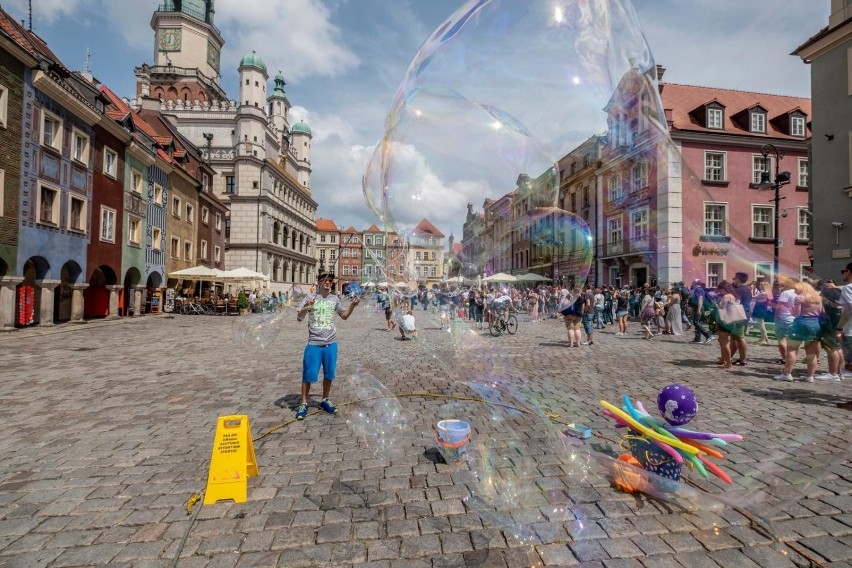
(242, 275)
(500, 277)
(531, 277)
(197, 273)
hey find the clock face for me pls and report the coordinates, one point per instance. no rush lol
(213, 56)
(170, 39)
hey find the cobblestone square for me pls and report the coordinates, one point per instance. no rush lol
(109, 428)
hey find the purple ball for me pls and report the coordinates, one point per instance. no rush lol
(677, 404)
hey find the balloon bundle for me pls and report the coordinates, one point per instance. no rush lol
(664, 446)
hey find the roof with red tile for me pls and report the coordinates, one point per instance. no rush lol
(457, 248)
(372, 229)
(683, 100)
(351, 230)
(425, 227)
(326, 225)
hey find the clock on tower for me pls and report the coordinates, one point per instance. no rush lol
(170, 39)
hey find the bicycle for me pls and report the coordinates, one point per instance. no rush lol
(500, 323)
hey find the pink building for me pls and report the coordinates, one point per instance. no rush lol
(728, 220)
(696, 209)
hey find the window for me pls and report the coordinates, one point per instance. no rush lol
(714, 166)
(761, 221)
(616, 190)
(346, 270)
(417, 255)
(378, 241)
(639, 223)
(322, 238)
(333, 254)
(187, 250)
(156, 239)
(804, 225)
(77, 214)
(158, 194)
(322, 254)
(714, 118)
(354, 271)
(715, 219)
(4, 106)
(48, 205)
(205, 215)
(133, 230)
(203, 250)
(715, 273)
(135, 182)
(110, 163)
(229, 184)
(802, 180)
(368, 269)
(81, 147)
(434, 272)
(797, 126)
(190, 211)
(369, 241)
(433, 255)
(334, 238)
(175, 250)
(615, 230)
(107, 224)
(759, 164)
(758, 122)
(176, 207)
(51, 130)
(639, 175)
(763, 269)
(346, 252)
(205, 182)
(586, 196)
(217, 252)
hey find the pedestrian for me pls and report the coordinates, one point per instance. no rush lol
(384, 302)
(783, 314)
(587, 314)
(321, 349)
(807, 312)
(622, 299)
(829, 337)
(845, 324)
(697, 298)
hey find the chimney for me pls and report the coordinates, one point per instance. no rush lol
(660, 72)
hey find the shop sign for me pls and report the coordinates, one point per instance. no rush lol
(699, 250)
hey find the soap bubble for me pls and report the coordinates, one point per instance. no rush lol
(375, 415)
(261, 330)
(513, 114)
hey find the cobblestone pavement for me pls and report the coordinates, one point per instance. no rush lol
(108, 429)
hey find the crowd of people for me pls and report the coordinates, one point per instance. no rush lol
(812, 316)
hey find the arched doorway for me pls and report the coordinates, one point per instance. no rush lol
(27, 294)
(153, 293)
(62, 297)
(97, 294)
(132, 278)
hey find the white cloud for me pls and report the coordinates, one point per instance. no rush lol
(295, 36)
(45, 12)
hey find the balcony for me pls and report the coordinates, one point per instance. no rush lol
(625, 247)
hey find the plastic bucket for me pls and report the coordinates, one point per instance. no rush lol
(452, 436)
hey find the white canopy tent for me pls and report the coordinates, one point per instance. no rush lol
(197, 273)
(242, 274)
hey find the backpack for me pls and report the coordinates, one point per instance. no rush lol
(576, 307)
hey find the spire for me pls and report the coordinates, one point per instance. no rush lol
(279, 85)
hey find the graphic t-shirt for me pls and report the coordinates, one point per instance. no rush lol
(321, 328)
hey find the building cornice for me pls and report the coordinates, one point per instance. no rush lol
(142, 154)
(43, 82)
(831, 40)
(744, 141)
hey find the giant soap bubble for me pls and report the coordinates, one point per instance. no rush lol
(535, 133)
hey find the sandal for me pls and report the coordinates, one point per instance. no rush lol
(741, 363)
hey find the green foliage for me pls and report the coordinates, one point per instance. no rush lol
(242, 301)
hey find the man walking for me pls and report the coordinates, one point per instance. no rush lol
(321, 349)
(697, 297)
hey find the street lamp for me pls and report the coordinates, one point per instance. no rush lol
(766, 182)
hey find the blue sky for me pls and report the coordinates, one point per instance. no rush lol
(344, 59)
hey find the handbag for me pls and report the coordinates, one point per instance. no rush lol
(733, 314)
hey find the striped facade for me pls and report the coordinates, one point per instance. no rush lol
(155, 260)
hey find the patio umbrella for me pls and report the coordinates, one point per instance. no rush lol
(531, 277)
(242, 274)
(500, 277)
(197, 274)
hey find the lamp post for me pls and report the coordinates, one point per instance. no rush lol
(767, 182)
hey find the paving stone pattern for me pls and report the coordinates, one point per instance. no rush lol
(108, 429)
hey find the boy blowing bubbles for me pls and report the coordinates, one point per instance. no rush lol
(321, 349)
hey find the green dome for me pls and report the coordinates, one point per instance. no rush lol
(253, 60)
(301, 127)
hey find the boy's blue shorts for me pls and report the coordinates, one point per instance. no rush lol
(316, 355)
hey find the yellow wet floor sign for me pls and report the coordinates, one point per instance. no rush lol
(232, 462)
